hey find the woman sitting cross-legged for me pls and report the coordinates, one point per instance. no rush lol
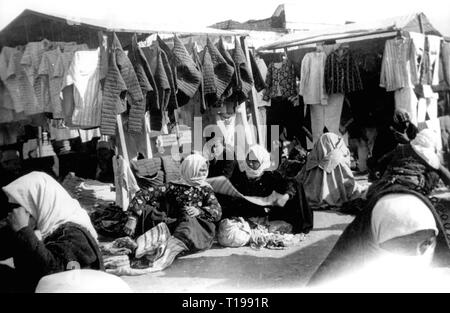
(188, 206)
(46, 232)
(253, 178)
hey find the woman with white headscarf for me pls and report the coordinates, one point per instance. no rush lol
(327, 176)
(48, 231)
(191, 215)
(253, 177)
(399, 216)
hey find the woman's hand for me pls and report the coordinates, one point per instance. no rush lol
(130, 226)
(192, 211)
(18, 219)
(282, 200)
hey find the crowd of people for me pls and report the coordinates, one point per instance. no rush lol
(47, 232)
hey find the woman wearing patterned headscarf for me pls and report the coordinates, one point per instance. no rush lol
(192, 211)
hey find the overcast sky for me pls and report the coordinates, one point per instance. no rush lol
(207, 12)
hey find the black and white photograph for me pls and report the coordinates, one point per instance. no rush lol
(224, 151)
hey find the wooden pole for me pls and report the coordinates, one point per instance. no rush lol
(40, 141)
(147, 135)
(253, 101)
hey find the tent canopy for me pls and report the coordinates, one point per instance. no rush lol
(32, 25)
(410, 23)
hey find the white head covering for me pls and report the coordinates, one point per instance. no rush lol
(190, 171)
(397, 215)
(256, 152)
(425, 145)
(48, 202)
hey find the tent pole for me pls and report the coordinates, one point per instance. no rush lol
(39, 141)
(253, 101)
(420, 23)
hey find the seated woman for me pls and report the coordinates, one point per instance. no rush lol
(221, 158)
(192, 211)
(415, 165)
(327, 176)
(401, 131)
(46, 232)
(398, 217)
(255, 180)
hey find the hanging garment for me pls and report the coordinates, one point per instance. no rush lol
(327, 177)
(31, 61)
(262, 69)
(405, 99)
(429, 71)
(328, 116)
(209, 88)
(54, 71)
(207, 78)
(227, 57)
(16, 81)
(244, 77)
(419, 46)
(445, 56)
(399, 67)
(223, 70)
(342, 73)
(188, 76)
(84, 75)
(168, 59)
(112, 103)
(144, 74)
(134, 94)
(126, 185)
(281, 80)
(312, 78)
(259, 75)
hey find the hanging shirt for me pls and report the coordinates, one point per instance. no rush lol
(312, 71)
(31, 61)
(342, 73)
(281, 80)
(16, 81)
(399, 67)
(84, 75)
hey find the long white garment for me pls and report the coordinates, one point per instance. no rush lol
(126, 185)
(84, 74)
(328, 116)
(405, 99)
(312, 86)
(434, 44)
(48, 202)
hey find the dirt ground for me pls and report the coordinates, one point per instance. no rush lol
(245, 269)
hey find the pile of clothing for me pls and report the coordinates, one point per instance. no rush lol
(89, 192)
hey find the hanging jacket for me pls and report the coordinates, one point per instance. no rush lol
(227, 57)
(244, 77)
(188, 76)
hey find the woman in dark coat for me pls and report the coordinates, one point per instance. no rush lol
(412, 174)
(255, 180)
(46, 232)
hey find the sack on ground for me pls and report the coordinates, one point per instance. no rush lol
(233, 232)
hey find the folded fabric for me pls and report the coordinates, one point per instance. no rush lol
(152, 240)
(147, 167)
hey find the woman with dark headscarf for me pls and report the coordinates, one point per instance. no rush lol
(47, 232)
(252, 178)
(401, 131)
